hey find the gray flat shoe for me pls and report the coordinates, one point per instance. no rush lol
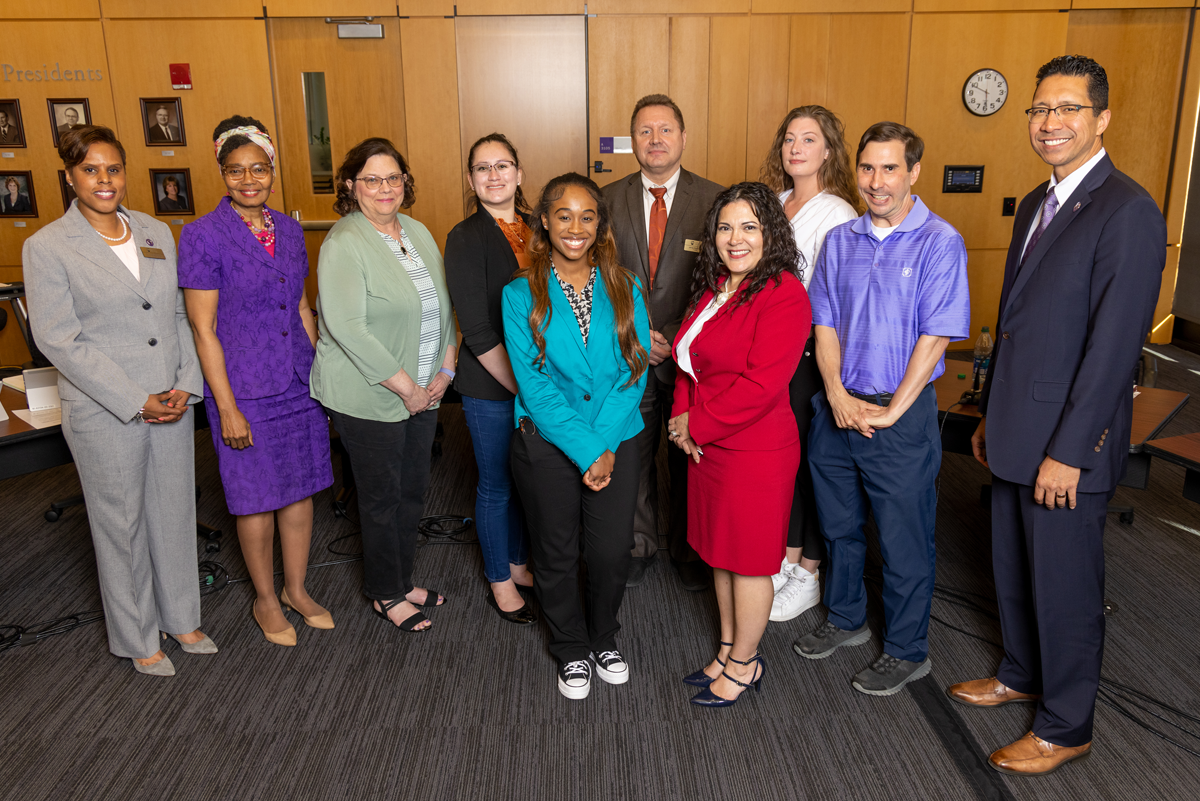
(205, 646)
(163, 667)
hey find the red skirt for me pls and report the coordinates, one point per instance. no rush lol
(739, 503)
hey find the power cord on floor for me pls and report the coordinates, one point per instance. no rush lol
(13, 636)
(1113, 694)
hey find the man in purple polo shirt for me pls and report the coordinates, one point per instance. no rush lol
(888, 294)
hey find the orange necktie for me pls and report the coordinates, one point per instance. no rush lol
(658, 228)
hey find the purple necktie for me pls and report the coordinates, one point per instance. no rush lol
(1048, 209)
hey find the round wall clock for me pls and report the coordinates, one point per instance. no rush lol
(984, 92)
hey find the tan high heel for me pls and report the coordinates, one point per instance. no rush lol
(321, 621)
(285, 637)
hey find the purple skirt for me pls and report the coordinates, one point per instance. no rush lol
(289, 460)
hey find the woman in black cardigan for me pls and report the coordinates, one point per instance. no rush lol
(482, 253)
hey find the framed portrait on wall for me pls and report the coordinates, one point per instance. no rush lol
(12, 132)
(172, 191)
(16, 195)
(68, 113)
(68, 191)
(162, 121)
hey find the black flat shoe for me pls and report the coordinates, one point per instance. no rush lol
(409, 623)
(522, 617)
(438, 599)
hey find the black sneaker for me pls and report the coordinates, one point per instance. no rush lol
(611, 667)
(888, 674)
(575, 679)
(827, 638)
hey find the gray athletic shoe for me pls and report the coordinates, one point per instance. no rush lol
(827, 638)
(887, 675)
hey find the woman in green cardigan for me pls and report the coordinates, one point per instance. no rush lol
(384, 359)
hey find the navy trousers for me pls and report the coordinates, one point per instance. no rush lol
(1049, 569)
(894, 471)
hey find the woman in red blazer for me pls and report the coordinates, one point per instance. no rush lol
(736, 351)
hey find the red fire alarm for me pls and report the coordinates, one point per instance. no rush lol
(181, 76)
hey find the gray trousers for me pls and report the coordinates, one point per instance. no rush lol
(139, 484)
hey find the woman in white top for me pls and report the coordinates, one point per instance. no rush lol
(809, 166)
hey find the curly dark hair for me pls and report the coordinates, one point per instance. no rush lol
(618, 281)
(1079, 67)
(500, 139)
(74, 144)
(353, 164)
(237, 140)
(779, 251)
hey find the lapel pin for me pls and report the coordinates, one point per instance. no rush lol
(150, 242)
(1078, 206)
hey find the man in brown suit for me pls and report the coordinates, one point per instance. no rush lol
(658, 221)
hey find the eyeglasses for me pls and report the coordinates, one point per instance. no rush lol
(501, 168)
(237, 173)
(373, 182)
(1064, 113)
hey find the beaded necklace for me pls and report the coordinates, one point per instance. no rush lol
(265, 235)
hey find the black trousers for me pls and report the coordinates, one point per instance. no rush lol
(656, 411)
(1049, 569)
(556, 503)
(391, 474)
(804, 530)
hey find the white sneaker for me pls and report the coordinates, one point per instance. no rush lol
(575, 679)
(801, 593)
(780, 578)
(611, 667)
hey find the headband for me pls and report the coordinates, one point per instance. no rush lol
(256, 136)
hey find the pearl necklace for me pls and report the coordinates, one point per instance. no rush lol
(124, 231)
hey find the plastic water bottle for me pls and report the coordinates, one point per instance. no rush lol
(983, 357)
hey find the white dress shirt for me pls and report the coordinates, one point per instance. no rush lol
(1062, 190)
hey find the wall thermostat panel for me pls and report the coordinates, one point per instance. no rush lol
(963, 178)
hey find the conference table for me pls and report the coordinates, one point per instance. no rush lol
(23, 448)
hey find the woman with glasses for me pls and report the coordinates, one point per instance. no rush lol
(482, 254)
(243, 269)
(384, 359)
(809, 166)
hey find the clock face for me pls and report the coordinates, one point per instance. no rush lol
(984, 92)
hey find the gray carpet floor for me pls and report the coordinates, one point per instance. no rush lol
(471, 710)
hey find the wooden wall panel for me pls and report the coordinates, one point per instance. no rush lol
(506, 7)
(830, 6)
(549, 124)
(40, 9)
(13, 351)
(770, 41)
(1182, 168)
(1143, 53)
(1163, 322)
(1106, 4)
(309, 45)
(945, 50)
(728, 78)
(688, 86)
(808, 60)
(431, 95)
(865, 91)
(142, 72)
(75, 44)
(990, 5)
(985, 277)
(350, 8)
(155, 9)
(628, 58)
(668, 6)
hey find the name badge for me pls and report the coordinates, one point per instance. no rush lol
(153, 253)
(691, 245)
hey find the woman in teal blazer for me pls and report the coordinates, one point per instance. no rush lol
(384, 359)
(576, 330)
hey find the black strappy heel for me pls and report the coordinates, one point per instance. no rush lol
(700, 678)
(707, 697)
(409, 623)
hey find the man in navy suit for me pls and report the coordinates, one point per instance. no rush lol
(1080, 285)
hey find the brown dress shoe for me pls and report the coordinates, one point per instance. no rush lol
(1033, 756)
(987, 692)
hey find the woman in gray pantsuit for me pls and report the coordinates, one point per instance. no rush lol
(106, 309)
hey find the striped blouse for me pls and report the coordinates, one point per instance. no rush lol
(430, 322)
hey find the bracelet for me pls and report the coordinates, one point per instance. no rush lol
(448, 372)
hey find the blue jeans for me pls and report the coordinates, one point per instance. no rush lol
(497, 514)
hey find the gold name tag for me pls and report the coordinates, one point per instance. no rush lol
(691, 245)
(153, 253)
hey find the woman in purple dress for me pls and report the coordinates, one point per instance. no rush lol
(243, 269)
